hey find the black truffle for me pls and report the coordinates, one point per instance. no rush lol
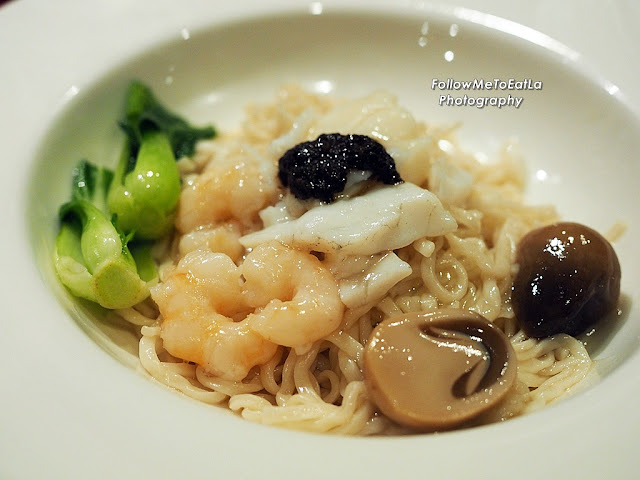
(319, 168)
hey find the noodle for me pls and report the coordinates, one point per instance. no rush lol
(320, 387)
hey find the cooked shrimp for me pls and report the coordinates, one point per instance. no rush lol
(198, 303)
(236, 184)
(211, 318)
(297, 297)
(223, 238)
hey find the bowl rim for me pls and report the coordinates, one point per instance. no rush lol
(563, 416)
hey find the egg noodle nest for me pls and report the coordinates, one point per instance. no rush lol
(319, 385)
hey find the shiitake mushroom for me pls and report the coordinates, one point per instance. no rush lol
(437, 371)
(568, 279)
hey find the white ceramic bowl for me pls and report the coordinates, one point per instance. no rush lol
(76, 404)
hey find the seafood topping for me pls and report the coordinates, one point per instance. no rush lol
(387, 217)
(319, 168)
(439, 370)
(227, 326)
(568, 278)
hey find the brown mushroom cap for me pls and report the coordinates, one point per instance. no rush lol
(568, 279)
(436, 371)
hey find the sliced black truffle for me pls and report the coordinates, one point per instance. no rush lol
(319, 168)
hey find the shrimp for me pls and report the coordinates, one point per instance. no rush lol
(198, 303)
(236, 184)
(297, 297)
(223, 238)
(227, 326)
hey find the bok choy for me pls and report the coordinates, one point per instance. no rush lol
(103, 248)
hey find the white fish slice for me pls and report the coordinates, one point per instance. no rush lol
(385, 218)
(370, 284)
